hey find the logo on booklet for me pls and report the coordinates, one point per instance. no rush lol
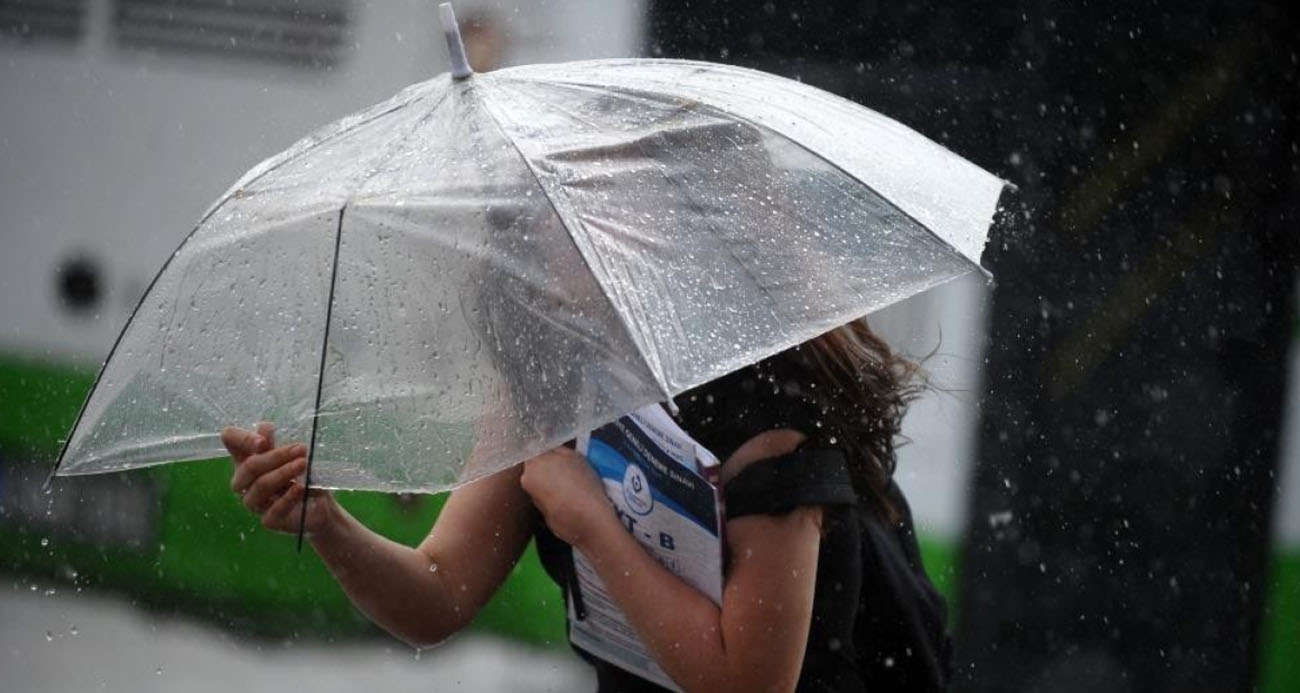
(636, 491)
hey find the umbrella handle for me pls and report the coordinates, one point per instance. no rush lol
(460, 68)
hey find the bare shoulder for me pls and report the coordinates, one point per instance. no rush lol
(767, 444)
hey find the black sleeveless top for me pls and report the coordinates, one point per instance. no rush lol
(877, 622)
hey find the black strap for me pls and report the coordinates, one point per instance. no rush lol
(807, 476)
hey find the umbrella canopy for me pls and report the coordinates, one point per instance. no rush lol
(478, 269)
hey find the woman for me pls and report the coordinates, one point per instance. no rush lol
(824, 588)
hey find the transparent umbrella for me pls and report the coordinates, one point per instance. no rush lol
(485, 265)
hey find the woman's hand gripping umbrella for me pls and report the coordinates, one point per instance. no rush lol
(268, 480)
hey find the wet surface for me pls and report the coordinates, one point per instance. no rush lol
(83, 643)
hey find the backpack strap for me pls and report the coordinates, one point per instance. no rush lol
(775, 485)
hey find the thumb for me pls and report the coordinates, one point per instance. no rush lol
(266, 430)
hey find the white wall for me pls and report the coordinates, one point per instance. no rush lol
(935, 467)
(1286, 517)
(115, 153)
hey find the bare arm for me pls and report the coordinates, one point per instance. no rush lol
(756, 639)
(424, 594)
(420, 595)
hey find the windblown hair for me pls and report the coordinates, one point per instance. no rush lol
(865, 389)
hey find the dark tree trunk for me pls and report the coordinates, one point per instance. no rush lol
(1119, 529)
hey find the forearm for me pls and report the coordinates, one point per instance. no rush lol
(681, 627)
(421, 595)
(755, 640)
(401, 589)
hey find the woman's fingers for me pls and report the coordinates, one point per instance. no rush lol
(241, 442)
(265, 475)
(270, 485)
(284, 512)
(266, 429)
(255, 466)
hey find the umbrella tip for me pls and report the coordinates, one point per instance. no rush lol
(460, 68)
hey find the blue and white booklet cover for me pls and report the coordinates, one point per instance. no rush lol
(662, 485)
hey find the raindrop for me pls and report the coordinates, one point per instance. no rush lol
(1000, 519)
(74, 632)
(49, 636)
(889, 662)
(45, 541)
(158, 671)
(433, 567)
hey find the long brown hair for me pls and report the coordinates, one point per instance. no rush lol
(865, 389)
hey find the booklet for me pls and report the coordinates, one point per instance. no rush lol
(663, 486)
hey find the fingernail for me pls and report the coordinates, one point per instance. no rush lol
(258, 441)
(300, 449)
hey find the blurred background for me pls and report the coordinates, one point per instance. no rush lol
(1106, 475)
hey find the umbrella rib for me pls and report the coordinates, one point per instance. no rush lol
(713, 229)
(766, 128)
(290, 156)
(216, 207)
(117, 342)
(645, 358)
(329, 305)
(320, 378)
